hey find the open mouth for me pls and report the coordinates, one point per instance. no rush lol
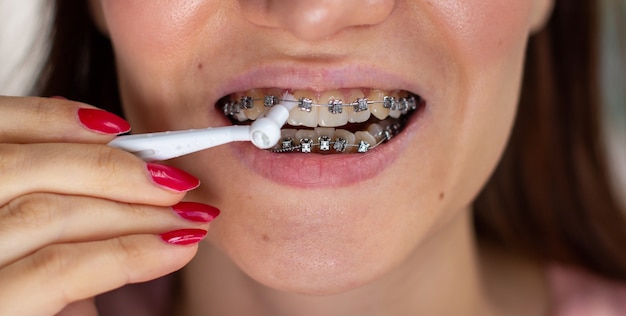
(330, 122)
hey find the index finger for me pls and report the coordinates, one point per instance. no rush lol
(44, 120)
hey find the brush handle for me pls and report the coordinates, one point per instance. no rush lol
(168, 145)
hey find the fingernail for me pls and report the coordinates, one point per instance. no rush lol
(172, 178)
(102, 121)
(196, 212)
(184, 236)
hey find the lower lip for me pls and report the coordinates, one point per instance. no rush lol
(333, 170)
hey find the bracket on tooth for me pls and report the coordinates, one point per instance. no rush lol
(387, 134)
(360, 105)
(390, 131)
(231, 108)
(324, 143)
(305, 104)
(406, 104)
(246, 103)
(340, 144)
(335, 106)
(270, 100)
(363, 146)
(305, 145)
(287, 144)
(389, 103)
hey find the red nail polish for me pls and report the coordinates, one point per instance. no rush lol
(102, 121)
(196, 212)
(172, 178)
(184, 236)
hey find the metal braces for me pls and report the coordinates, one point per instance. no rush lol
(335, 106)
(325, 144)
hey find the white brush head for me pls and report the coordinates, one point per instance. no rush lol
(265, 131)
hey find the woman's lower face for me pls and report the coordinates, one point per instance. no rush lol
(403, 109)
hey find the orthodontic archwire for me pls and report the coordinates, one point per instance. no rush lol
(335, 106)
(324, 143)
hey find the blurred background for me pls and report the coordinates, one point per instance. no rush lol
(614, 89)
(23, 30)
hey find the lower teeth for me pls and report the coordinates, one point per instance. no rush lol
(330, 140)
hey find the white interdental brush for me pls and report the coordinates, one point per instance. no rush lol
(264, 133)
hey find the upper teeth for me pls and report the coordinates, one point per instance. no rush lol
(311, 111)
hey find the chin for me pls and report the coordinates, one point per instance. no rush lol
(321, 248)
(308, 266)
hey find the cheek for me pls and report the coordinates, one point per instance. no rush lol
(484, 30)
(156, 45)
(486, 40)
(148, 29)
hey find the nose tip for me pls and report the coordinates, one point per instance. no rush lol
(313, 20)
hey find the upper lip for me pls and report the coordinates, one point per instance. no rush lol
(317, 78)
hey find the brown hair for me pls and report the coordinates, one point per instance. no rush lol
(81, 64)
(549, 196)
